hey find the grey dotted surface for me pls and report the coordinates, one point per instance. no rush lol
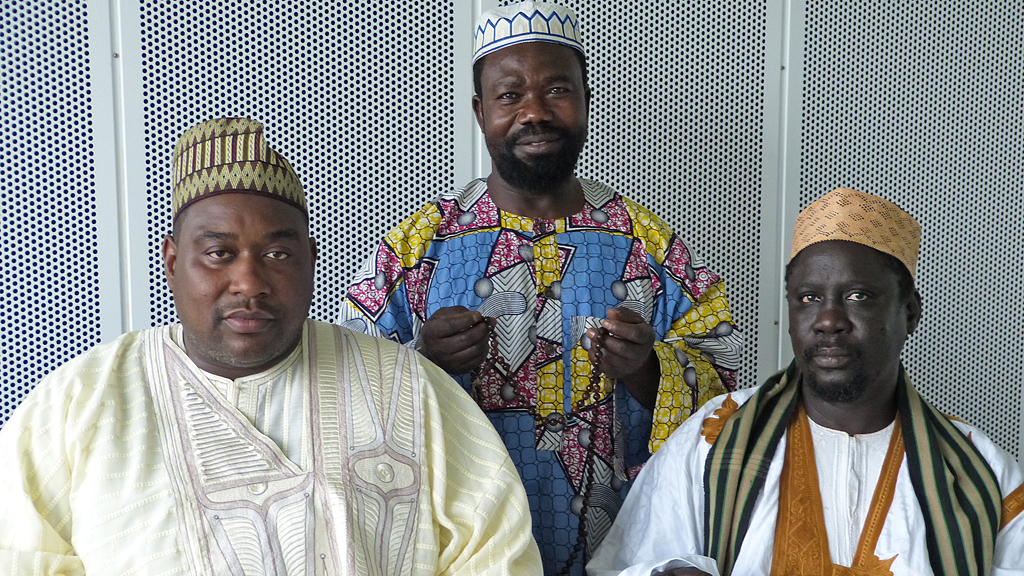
(370, 121)
(676, 124)
(50, 302)
(931, 119)
(920, 104)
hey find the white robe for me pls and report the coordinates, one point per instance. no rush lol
(130, 460)
(661, 524)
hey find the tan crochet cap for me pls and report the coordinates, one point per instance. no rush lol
(845, 214)
(231, 155)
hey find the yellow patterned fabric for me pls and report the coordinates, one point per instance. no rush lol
(845, 214)
(352, 456)
(678, 397)
(412, 238)
(230, 155)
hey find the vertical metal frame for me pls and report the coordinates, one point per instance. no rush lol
(127, 140)
(791, 91)
(106, 92)
(776, 117)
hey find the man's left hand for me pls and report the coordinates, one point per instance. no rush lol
(627, 353)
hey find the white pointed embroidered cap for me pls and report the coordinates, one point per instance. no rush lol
(525, 22)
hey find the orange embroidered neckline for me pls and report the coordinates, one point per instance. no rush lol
(801, 542)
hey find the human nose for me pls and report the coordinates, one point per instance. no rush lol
(534, 109)
(248, 277)
(831, 318)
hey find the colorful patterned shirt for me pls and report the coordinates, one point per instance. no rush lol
(546, 282)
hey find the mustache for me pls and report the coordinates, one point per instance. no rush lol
(248, 305)
(845, 349)
(531, 130)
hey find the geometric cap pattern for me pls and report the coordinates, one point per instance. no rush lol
(231, 155)
(845, 214)
(525, 22)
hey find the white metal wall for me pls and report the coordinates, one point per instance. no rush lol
(723, 117)
(924, 104)
(48, 175)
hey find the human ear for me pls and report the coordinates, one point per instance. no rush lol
(913, 312)
(478, 111)
(170, 253)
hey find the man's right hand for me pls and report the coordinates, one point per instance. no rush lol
(455, 339)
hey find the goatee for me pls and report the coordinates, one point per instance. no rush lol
(544, 172)
(841, 393)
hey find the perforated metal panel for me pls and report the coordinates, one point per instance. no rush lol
(921, 104)
(676, 124)
(359, 100)
(924, 105)
(50, 302)
(677, 129)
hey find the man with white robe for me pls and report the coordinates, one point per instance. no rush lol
(249, 439)
(836, 465)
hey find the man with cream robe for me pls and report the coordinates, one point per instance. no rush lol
(836, 465)
(250, 439)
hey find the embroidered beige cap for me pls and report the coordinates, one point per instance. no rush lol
(231, 155)
(845, 214)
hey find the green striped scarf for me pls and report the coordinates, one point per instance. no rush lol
(955, 487)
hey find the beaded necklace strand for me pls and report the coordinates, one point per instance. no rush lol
(555, 422)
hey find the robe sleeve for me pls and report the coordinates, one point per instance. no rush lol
(387, 298)
(478, 505)
(661, 524)
(696, 358)
(35, 481)
(1009, 553)
(698, 345)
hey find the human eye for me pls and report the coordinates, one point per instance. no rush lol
(507, 96)
(218, 254)
(857, 296)
(277, 255)
(809, 298)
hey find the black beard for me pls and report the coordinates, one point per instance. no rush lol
(545, 172)
(846, 393)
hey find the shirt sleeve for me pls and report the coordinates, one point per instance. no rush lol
(386, 299)
(35, 481)
(691, 372)
(478, 505)
(698, 345)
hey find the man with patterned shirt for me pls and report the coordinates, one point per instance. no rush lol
(584, 327)
(249, 439)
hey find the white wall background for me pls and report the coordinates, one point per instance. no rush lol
(725, 117)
